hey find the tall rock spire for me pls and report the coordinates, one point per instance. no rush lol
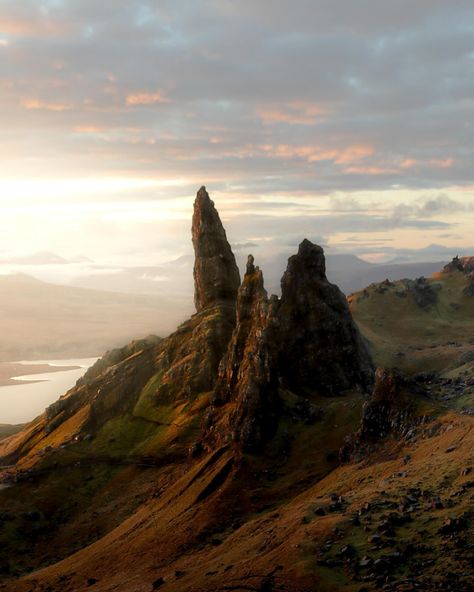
(321, 347)
(248, 377)
(216, 275)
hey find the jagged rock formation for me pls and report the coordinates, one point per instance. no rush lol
(388, 411)
(216, 275)
(248, 372)
(321, 349)
(237, 351)
(424, 292)
(463, 264)
(305, 342)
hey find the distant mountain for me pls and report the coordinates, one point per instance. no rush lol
(174, 279)
(41, 258)
(42, 320)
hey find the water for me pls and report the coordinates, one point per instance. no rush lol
(22, 403)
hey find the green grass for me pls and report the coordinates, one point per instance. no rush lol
(403, 334)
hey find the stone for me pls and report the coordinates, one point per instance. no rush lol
(321, 349)
(388, 411)
(158, 583)
(248, 372)
(216, 275)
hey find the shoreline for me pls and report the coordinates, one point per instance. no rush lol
(8, 371)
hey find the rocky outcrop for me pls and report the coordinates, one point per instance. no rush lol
(237, 352)
(248, 372)
(321, 349)
(306, 342)
(388, 412)
(463, 264)
(216, 275)
(424, 292)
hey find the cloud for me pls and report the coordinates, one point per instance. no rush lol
(433, 206)
(321, 98)
(144, 98)
(36, 104)
(342, 155)
(296, 113)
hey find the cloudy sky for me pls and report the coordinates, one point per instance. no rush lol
(347, 121)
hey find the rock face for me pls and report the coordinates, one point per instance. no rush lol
(305, 342)
(321, 349)
(248, 372)
(389, 411)
(216, 275)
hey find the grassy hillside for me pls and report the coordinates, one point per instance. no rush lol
(418, 326)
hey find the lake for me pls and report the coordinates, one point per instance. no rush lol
(22, 403)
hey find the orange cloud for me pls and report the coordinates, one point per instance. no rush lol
(296, 112)
(347, 155)
(33, 28)
(409, 163)
(439, 163)
(36, 104)
(144, 98)
(443, 163)
(370, 170)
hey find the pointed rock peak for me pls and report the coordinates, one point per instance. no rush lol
(312, 256)
(305, 268)
(322, 349)
(250, 265)
(216, 275)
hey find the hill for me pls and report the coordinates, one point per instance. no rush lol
(255, 448)
(422, 325)
(43, 321)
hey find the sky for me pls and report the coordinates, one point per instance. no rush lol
(349, 122)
